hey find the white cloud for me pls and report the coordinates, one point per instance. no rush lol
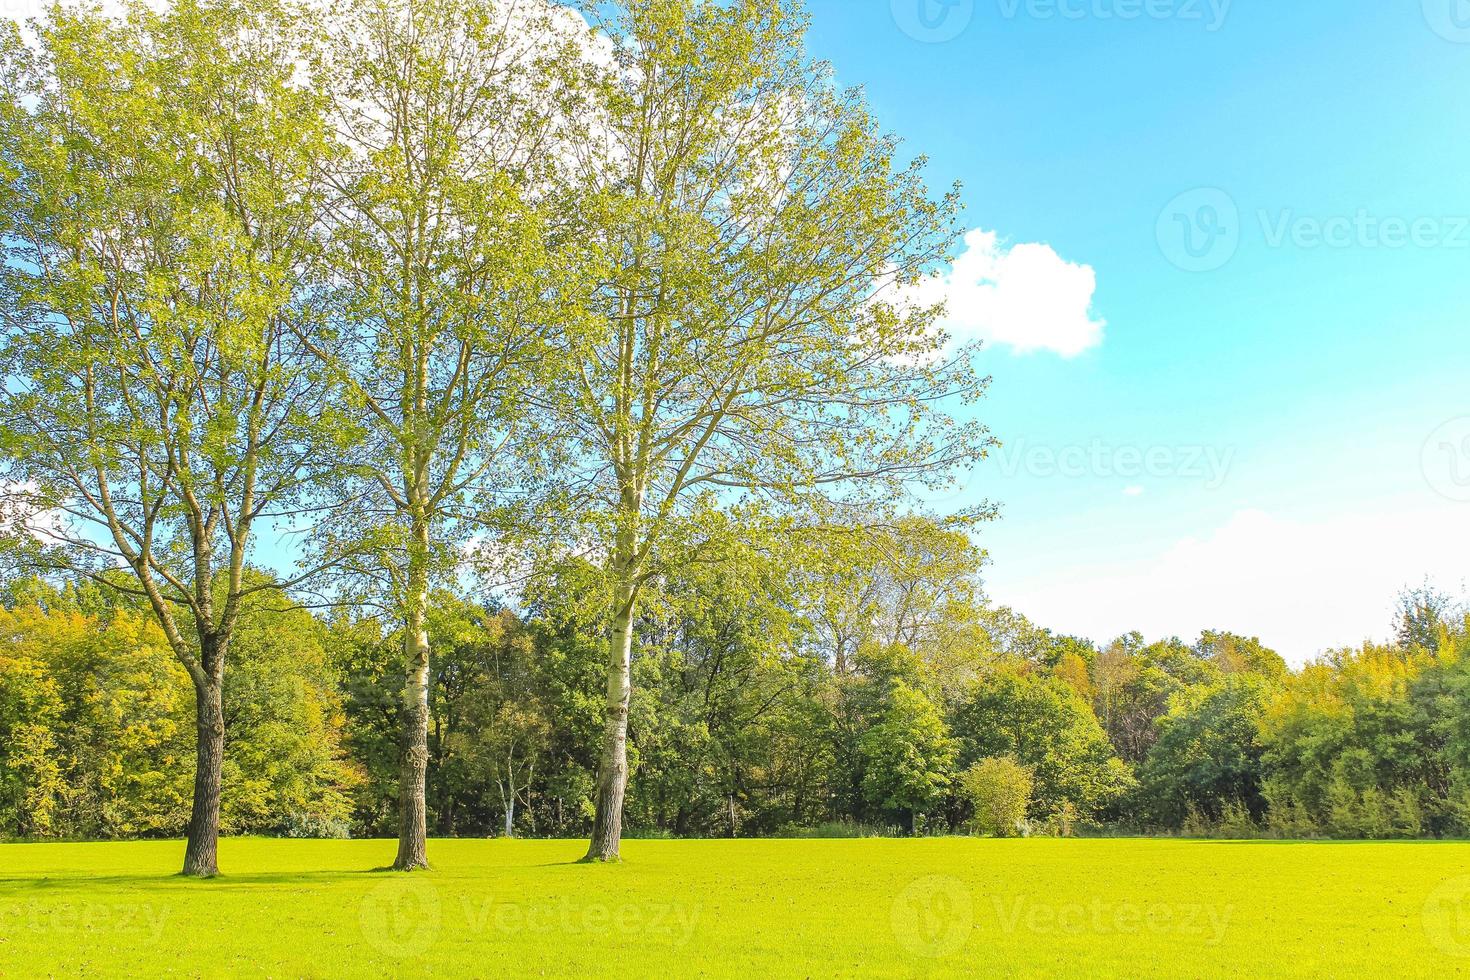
(1303, 587)
(1025, 297)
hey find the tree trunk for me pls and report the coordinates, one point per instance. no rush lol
(413, 775)
(510, 816)
(612, 776)
(201, 854)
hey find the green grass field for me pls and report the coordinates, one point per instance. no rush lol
(752, 908)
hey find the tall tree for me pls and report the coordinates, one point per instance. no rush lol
(753, 236)
(447, 275)
(157, 221)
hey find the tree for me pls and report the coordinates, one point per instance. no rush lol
(1042, 723)
(1423, 613)
(1233, 654)
(1000, 791)
(1130, 692)
(751, 236)
(446, 272)
(1207, 757)
(1347, 736)
(287, 771)
(513, 743)
(90, 712)
(94, 705)
(157, 220)
(913, 580)
(908, 755)
(723, 726)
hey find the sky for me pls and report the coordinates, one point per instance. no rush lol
(1220, 255)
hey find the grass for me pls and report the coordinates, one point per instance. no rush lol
(880, 908)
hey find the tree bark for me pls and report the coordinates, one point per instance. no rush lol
(413, 774)
(201, 854)
(612, 776)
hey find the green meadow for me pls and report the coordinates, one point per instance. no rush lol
(880, 908)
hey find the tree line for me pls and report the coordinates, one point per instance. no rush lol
(945, 714)
(414, 293)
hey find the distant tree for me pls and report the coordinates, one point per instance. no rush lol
(726, 725)
(1071, 669)
(1207, 756)
(1348, 734)
(1045, 726)
(911, 580)
(908, 755)
(287, 771)
(1129, 694)
(999, 790)
(94, 706)
(1423, 615)
(91, 712)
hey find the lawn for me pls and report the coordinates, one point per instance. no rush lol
(747, 908)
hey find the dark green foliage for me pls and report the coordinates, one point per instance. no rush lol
(1043, 724)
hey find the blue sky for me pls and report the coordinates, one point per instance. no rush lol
(1292, 377)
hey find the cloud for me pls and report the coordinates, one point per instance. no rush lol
(1302, 586)
(1025, 297)
(1134, 491)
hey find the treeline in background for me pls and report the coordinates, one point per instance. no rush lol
(854, 687)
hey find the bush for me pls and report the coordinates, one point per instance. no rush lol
(1062, 822)
(315, 826)
(1000, 791)
(837, 829)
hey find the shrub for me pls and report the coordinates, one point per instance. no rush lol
(837, 829)
(1000, 791)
